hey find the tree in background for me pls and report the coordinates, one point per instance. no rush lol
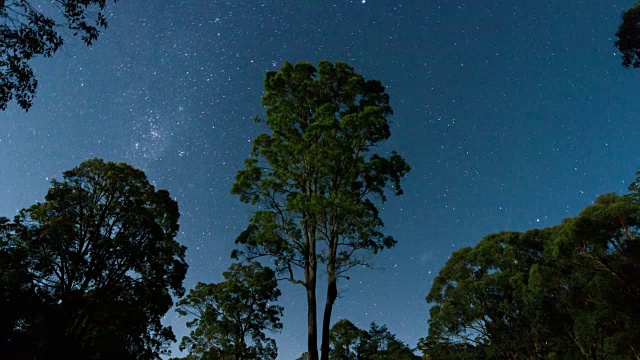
(628, 42)
(94, 266)
(317, 177)
(567, 292)
(482, 303)
(26, 32)
(601, 291)
(348, 342)
(229, 313)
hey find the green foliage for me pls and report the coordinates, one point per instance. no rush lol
(316, 176)
(316, 171)
(229, 313)
(566, 292)
(348, 342)
(26, 32)
(96, 265)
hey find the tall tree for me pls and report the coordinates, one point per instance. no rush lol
(26, 32)
(316, 177)
(101, 259)
(231, 317)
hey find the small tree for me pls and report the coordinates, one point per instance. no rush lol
(348, 342)
(99, 261)
(628, 42)
(231, 317)
(26, 32)
(317, 177)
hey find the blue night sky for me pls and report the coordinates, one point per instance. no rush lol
(513, 115)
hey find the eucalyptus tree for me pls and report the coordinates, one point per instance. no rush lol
(316, 177)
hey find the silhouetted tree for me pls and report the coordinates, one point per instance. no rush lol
(317, 177)
(27, 32)
(348, 342)
(96, 265)
(567, 292)
(231, 317)
(628, 35)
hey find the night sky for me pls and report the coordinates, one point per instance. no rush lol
(513, 114)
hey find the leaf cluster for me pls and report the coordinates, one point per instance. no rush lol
(26, 32)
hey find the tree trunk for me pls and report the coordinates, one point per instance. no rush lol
(310, 280)
(312, 326)
(332, 294)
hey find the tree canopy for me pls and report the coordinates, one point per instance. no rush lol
(317, 177)
(27, 32)
(92, 269)
(566, 292)
(231, 317)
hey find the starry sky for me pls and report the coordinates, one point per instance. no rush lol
(512, 113)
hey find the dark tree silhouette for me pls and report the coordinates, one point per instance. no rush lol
(348, 342)
(95, 267)
(27, 32)
(567, 292)
(316, 177)
(231, 317)
(628, 35)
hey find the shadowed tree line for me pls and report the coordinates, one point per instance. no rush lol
(98, 260)
(90, 272)
(571, 291)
